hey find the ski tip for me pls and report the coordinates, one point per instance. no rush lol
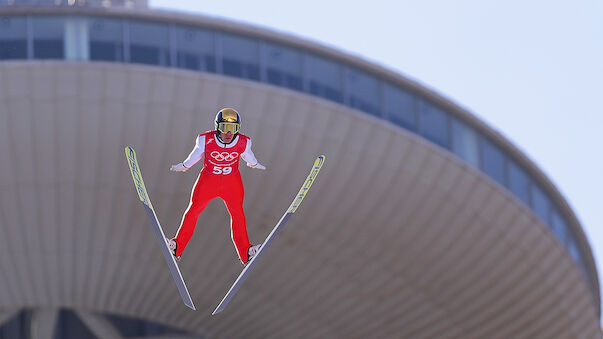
(186, 298)
(220, 307)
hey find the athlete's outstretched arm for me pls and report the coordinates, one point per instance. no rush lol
(194, 157)
(249, 157)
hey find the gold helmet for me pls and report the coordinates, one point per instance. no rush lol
(227, 120)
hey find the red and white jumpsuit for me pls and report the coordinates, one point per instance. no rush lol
(220, 177)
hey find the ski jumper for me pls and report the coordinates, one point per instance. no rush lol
(220, 177)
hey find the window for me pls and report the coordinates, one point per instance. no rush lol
(283, 66)
(493, 161)
(48, 41)
(464, 142)
(106, 40)
(324, 78)
(433, 124)
(573, 249)
(195, 49)
(240, 57)
(13, 37)
(519, 182)
(399, 107)
(363, 91)
(540, 204)
(149, 43)
(559, 227)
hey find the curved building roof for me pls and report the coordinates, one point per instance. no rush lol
(425, 221)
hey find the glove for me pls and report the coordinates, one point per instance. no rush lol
(258, 166)
(179, 168)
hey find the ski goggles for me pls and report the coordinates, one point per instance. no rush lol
(226, 127)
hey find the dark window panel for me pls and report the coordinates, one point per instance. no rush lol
(399, 107)
(434, 124)
(279, 78)
(325, 92)
(519, 183)
(233, 68)
(293, 82)
(275, 77)
(241, 70)
(189, 61)
(240, 57)
(493, 161)
(324, 78)
(363, 91)
(559, 227)
(106, 51)
(148, 55)
(252, 72)
(284, 66)
(574, 249)
(106, 39)
(465, 142)
(13, 38)
(48, 49)
(194, 48)
(149, 43)
(13, 49)
(210, 63)
(540, 204)
(48, 37)
(283, 59)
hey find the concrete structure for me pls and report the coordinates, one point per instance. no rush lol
(424, 223)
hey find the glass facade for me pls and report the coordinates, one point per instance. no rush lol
(559, 227)
(325, 78)
(540, 204)
(173, 45)
(434, 124)
(493, 161)
(399, 107)
(283, 66)
(519, 183)
(13, 37)
(465, 142)
(106, 39)
(149, 43)
(241, 57)
(363, 91)
(195, 49)
(48, 38)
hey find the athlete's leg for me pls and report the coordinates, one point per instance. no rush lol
(233, 195)
(203, 192)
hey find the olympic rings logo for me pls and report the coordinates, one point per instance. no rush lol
(224, 156)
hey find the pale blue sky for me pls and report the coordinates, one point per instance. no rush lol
(533, 70)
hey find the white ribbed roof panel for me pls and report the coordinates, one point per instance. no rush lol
(397, 239)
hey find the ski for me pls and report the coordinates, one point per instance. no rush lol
(146, 202)
(275, 231)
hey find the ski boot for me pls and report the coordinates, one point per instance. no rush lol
(172, 246)
(251, 252)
